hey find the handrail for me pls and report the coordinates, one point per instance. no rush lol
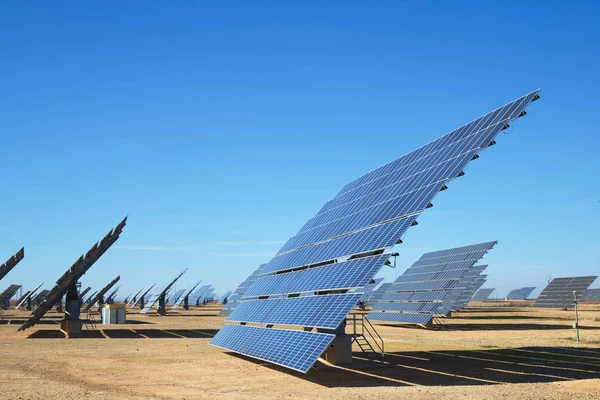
(365, 327)
(364, 318)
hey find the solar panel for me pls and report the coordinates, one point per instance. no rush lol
(483, 294)
(377, 293)
(8, 294)
(173, 299)
(559, 292)
(11, 263)
(185, 295)
(84, 293)
(591, 294)
(437, 283)
(236, 297)
(134, 298)
(111, 297)
(73, 274)
(140, 299)
(161, 295)
(28, 296)
(99, 296)
(521, 293)
(344, 275)
(40, 296)
(300, 311)
(298, 350)
(524, 292)
(224, 297)
(368, 216)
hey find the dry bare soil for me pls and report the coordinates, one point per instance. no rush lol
(491, 351)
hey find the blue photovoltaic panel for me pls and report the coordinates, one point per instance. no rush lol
(325, 311)
(559, 292)
(591, 294)
(524, 292)
(345, 275)
(373, 238)
(298, 350)
(403, 318)
(402, 187)
(433, 285)
(374, 212)
(483, 294)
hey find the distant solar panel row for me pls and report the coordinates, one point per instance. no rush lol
(591, 294)
(298, 350)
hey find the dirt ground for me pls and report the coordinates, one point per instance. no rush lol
(494, 350)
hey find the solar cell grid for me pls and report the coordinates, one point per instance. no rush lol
(349, 274)
(405, 318)
(298, 350)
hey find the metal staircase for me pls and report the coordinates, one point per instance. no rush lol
(365, 336)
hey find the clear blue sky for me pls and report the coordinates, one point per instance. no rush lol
(221, 127)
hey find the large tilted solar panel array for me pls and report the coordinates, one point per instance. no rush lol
(187, 294)
(73, 274)
(235, 298)
(11, 263)
(483, 294)
(433, 285)
(591, 294)
(559, 292)
(369, 215)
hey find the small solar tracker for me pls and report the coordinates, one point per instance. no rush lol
(133, 299)
(99, 296)
(591, 294)
(173, 299)
(483, 294)
(559, 292)
(84, 293)
(68, 282)
(110, 299)
(185, 297)
(224, 297)
(160, 297)
(8, 294)
(37, 300)
(11, 263)
(521, 293)
(141, 299)
(353, 232)
(28, 297)
(436, 284)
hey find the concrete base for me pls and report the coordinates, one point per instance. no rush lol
(71, 326)
(340, 352)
